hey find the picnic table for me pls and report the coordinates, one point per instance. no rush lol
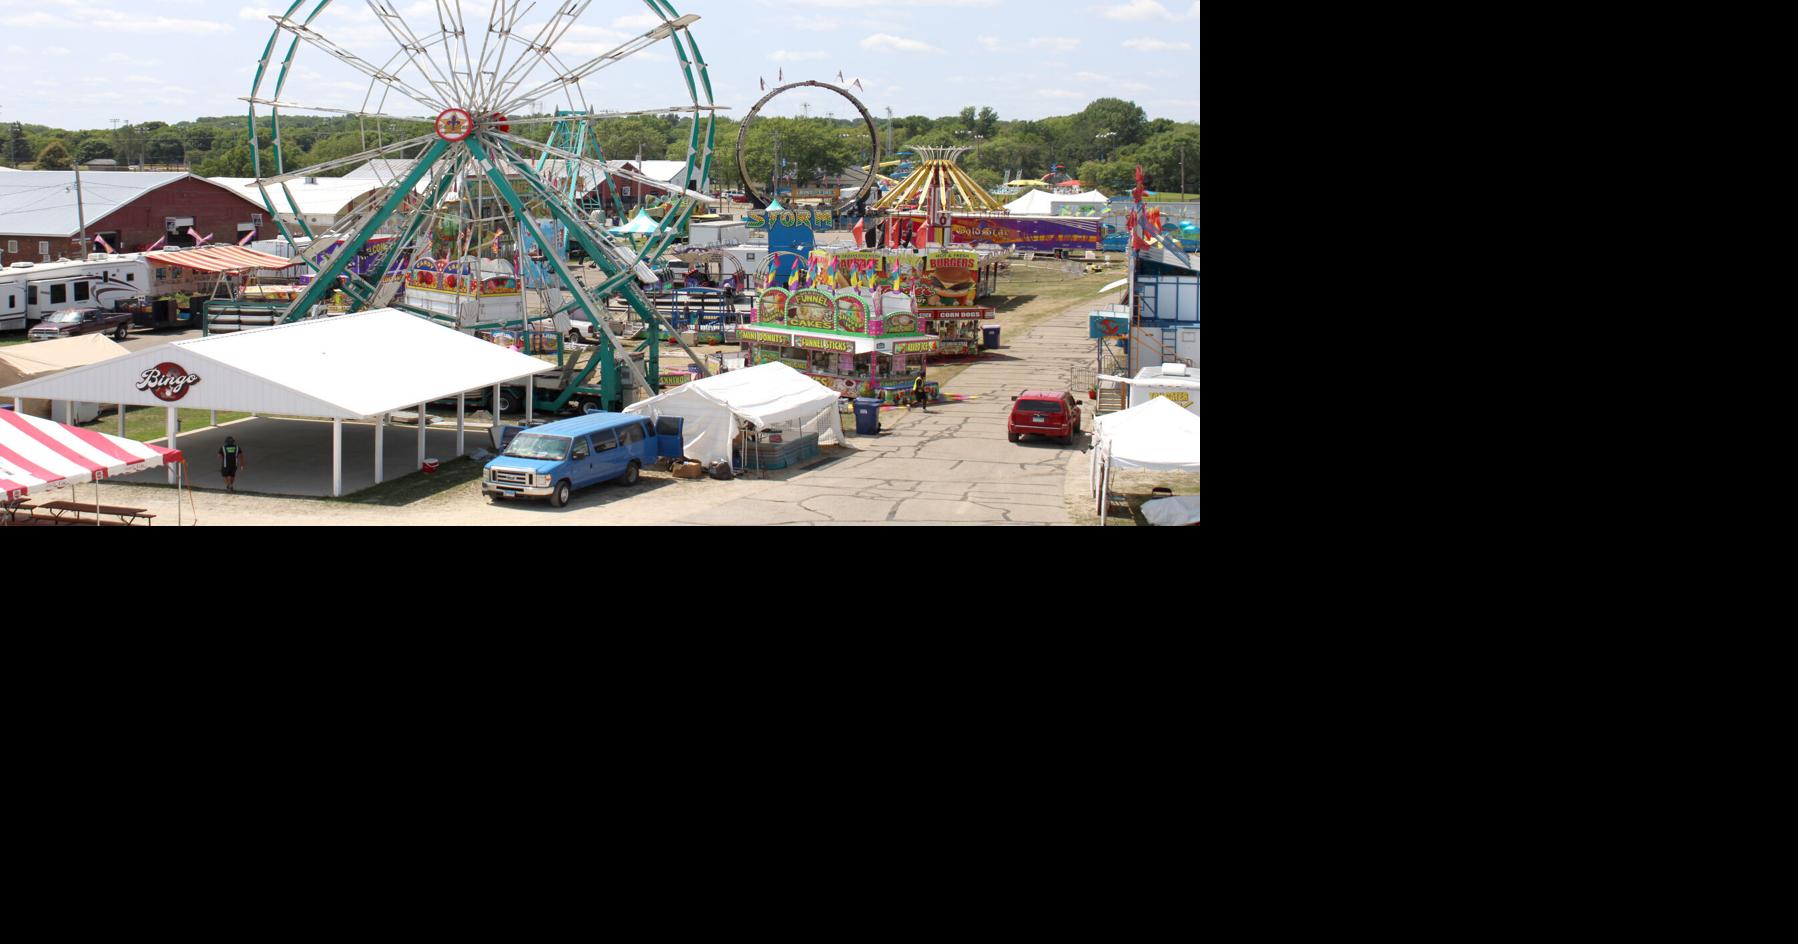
(10, 510)
(127, 516)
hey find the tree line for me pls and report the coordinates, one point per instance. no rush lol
(1101, 145)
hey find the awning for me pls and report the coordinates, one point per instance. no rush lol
(220, 259)
(37, 455)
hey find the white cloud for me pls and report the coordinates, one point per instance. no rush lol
(886, 42)
(1155, 45)
(787, 55)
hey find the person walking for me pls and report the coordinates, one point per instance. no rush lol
(231, 459)
(920, 394)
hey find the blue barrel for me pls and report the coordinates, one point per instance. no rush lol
(992, 335)
(867, 416)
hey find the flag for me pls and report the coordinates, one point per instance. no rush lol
(861, 233)
(764, 84)
(892, 232)
(156, 245)
(103, 243)
(858, 86)
(245, 241)
(783, 75)
(198, 239)
(840, 79)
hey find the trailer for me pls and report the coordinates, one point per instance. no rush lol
(32, 291)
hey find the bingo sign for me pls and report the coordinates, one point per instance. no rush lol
(168, 382)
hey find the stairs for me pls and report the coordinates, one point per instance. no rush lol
(1111, 399)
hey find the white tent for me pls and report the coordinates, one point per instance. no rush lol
(1043, 203)
(1034, 203)
(765, 397)
(1157, 436)
(353, 367)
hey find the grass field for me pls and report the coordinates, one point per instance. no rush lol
(148, 424)
(1029, 296)
(13, 337)
(417, 487)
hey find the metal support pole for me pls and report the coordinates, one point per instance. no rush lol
(495, 405)
(422, 426)
(461, 425)
(336, 457)
(530, 399)
(121, 420)
(174, 431)
(381, 449)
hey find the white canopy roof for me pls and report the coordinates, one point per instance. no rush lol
(1043, 203)
(350, 367)
(1034, 203)
(766, 397)
(1158, 435)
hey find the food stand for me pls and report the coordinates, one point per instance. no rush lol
(859, 343)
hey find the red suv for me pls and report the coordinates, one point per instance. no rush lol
(1040, 413)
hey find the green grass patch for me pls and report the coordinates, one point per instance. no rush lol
(149, 424)
(14, 337)
(418, 486)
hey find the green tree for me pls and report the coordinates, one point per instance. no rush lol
(987, 125)
(18, 150)
(622, 139)
(55, 156)
(1161, 158)
(165, 148)
(810, 149)
(93, 149)
(199, 138)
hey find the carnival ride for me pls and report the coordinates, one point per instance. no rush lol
(756, 197)
(479, 187)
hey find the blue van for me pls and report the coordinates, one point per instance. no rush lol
(552, 461)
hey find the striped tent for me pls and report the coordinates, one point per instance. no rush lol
(219, 259)
(37, 455)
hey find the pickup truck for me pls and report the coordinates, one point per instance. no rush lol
(71, 322)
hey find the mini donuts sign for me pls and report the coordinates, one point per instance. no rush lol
(169, 382)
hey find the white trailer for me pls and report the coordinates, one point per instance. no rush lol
(31, 291)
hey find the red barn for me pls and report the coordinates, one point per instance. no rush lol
(131, 211)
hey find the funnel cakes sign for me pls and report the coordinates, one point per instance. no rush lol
(168, 382)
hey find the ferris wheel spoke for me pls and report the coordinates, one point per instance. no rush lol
(608, 171)
(346, 112)
(534, 51)
(415, 49)
(596, 64)
(319, 40)
(361, 158)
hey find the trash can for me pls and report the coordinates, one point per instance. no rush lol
(867, 416)
(992, 336)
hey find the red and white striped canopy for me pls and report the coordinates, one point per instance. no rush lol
(38, 455)
(220, 259)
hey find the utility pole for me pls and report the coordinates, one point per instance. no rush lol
(1182, 171)
(81, 212)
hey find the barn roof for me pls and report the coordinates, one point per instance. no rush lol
(42, 202)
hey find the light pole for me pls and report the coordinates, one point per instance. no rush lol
(1106, 137)
(1182, 171)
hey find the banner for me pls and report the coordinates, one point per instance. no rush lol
(952, 280)
(771, 308)
(1036, 234)
(812, 308)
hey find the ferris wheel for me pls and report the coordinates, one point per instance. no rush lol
(466, 110)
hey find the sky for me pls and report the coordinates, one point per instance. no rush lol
(91, 63)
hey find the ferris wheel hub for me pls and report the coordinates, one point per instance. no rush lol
(455, 125)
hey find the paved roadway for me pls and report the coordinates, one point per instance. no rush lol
(953, 465)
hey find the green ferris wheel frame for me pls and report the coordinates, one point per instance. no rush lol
(470, 135)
